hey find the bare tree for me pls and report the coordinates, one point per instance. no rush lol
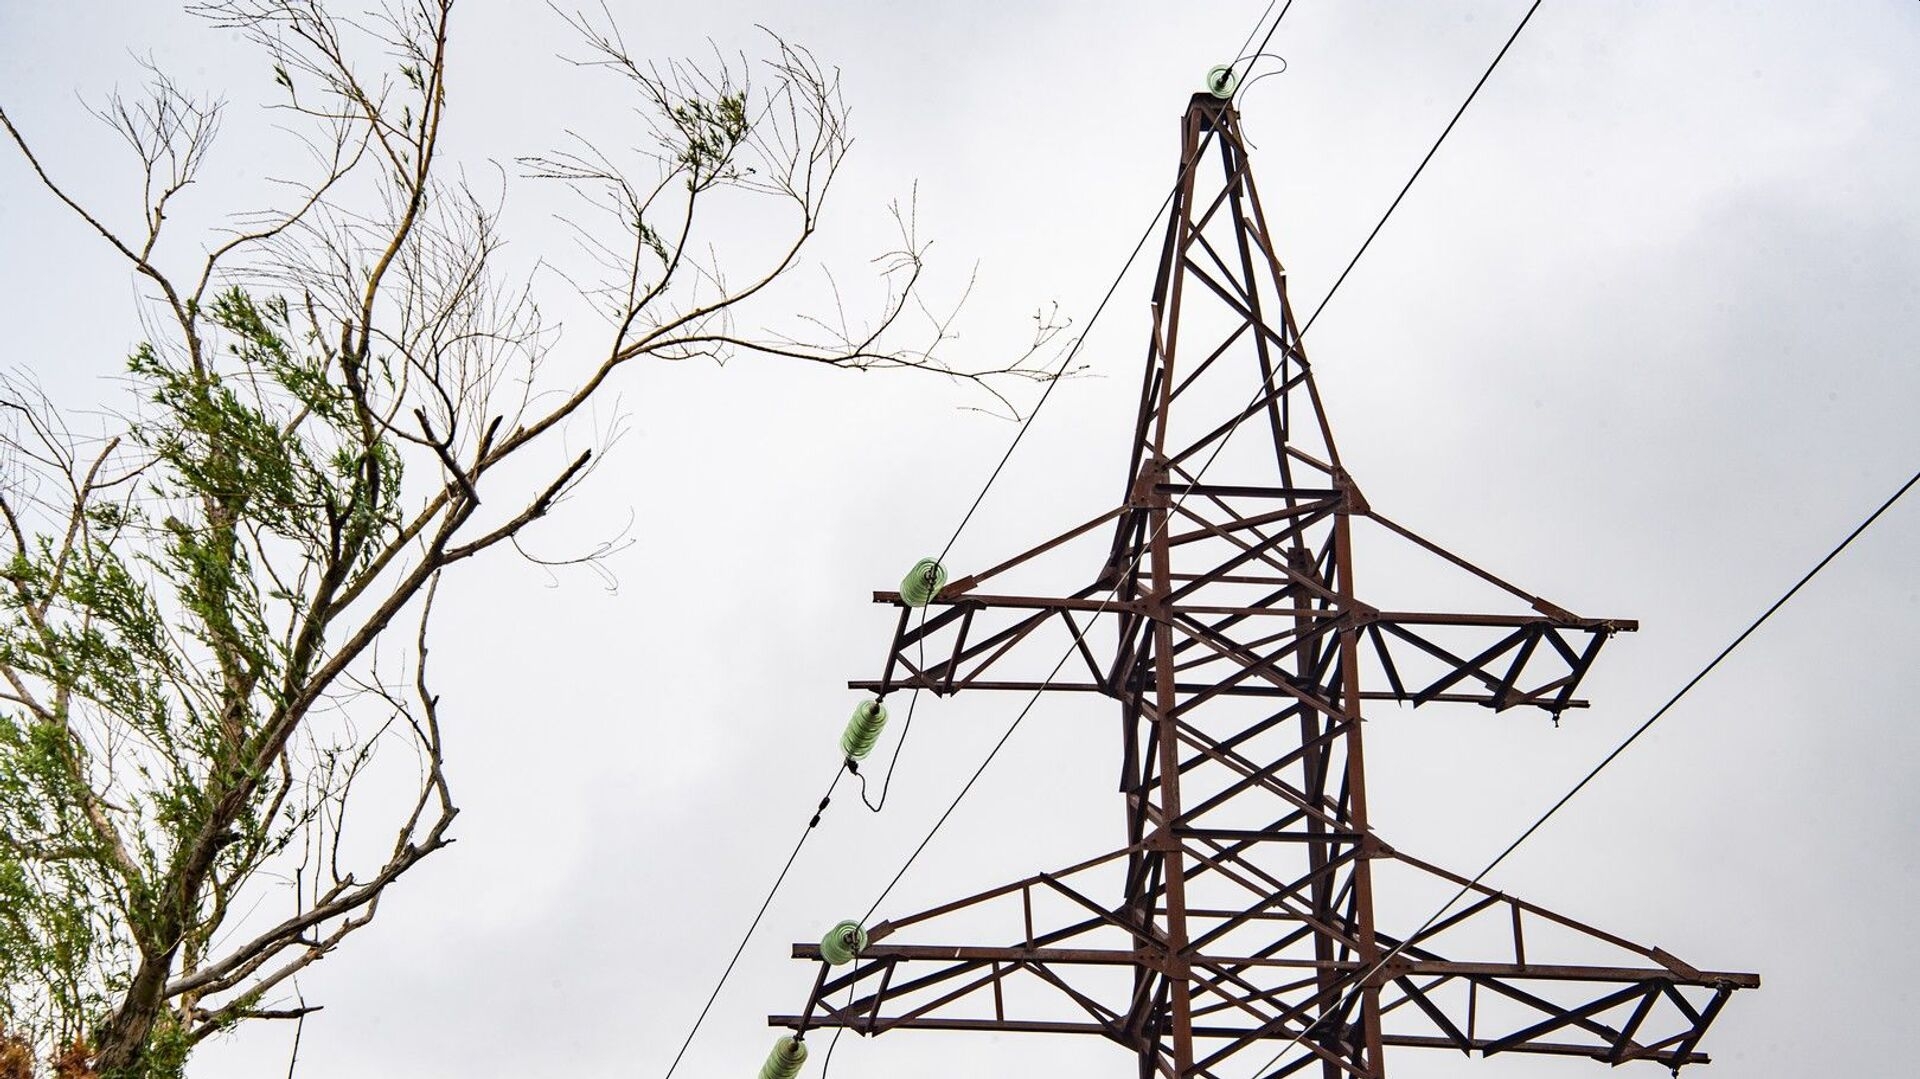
(217, 609)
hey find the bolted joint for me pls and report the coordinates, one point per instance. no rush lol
(1372, 846)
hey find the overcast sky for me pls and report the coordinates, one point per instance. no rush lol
(1641, 340)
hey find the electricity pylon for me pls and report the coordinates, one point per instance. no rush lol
(1240, 921)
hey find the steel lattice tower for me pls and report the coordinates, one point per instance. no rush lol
(1239, 917)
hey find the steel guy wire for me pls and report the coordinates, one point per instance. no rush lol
(1592, 773)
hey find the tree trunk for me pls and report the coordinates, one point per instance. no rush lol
(123, 1041)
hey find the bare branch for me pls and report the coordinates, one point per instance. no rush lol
(203, 602)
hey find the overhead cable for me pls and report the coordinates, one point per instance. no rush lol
(1595, 771)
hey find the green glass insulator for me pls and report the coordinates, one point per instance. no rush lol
(863, 729)
(922, 582)
(785, 1059)
(842, 943)
(1222, 81)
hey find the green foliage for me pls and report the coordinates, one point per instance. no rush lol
(709, 130)
(56, 931)
(155, 655)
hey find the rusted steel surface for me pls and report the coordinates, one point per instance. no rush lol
(1225, 617)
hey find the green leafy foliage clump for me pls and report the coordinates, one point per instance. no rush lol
(160, 639)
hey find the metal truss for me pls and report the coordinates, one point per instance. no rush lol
(1238, 920)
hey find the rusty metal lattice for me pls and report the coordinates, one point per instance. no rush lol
(1226, 620)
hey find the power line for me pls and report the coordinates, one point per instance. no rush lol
(977, 772)
(755, 924)
(1266, 384)
(1058, 373)
(1704, 671)
(1642, 729)
(1475, 92)
(1256, 29)
(906, 728)
(1263, 41)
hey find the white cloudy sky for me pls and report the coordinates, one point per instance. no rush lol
(1641, 339)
